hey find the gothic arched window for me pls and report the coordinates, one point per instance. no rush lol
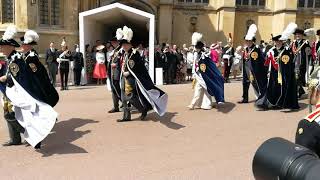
(194, 1)
(7, 11)
(309, 3)
(251, 3)
(50, 12)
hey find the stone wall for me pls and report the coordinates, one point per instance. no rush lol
(174, 22)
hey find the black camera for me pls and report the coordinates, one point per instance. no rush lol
(280, 159)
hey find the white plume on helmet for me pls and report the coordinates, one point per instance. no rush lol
(196, 37)
(64, 43)
(119, 34)
(290, 29)
(309, 32)
(251, 32)
(30, 36)
(127, 33)
(10, 33)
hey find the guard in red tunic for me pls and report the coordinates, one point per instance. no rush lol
(308, 131)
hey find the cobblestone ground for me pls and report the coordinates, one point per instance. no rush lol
(88, 143)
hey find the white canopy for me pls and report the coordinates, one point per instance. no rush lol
(101, 23)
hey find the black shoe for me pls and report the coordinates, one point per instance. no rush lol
(38, 146)
(10, 143)
(62, 89)
(123, 120)
(143, 115)
(113, 111)
(243, 102)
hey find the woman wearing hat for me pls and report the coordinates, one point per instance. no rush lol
(100, 70)
(237, 61)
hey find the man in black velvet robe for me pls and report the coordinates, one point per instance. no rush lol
(7, 47)
(39, 84)
(42, 89)
(136, 84)
(302, 59)
(254, 71)
(281, 86)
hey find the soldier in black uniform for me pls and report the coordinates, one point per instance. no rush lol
(254, 71)
(64, 58)
(7, 47)
(302, 59)
(78, 64)
(227, 56)
(308, 131)
(114, 70)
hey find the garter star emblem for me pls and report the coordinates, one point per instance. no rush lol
(300, 131)
(131, 63)
(285, 59)
(254, 55)
(33, 67)
(14, 69)
(203, 67)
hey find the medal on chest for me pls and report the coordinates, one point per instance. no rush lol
(285, 59)
(254, 55)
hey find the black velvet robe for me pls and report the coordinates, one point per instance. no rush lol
(42, 89)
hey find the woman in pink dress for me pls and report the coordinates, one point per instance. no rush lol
(100, 70)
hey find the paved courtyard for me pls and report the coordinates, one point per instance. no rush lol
(88, 143)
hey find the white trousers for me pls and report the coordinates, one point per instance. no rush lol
(201, 97)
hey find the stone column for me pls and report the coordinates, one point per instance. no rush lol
(225, 19)
(165, 21)
(285, 12)
(226, 23)
(21, 14)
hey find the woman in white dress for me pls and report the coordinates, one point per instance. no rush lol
(100, 71)
(237, 61)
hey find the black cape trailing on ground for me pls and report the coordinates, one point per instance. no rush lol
(155, 97)
(281, 86)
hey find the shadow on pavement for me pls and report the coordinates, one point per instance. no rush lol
(303, 106)
(166, 120)
(82, 88)
(63, 134)
(226, 107)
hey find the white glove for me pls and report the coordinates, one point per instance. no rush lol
(72, 65)
(126, 74)
(193, 75)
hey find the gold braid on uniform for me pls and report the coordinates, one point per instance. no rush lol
(127, 87)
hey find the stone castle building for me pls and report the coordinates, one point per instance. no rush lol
(175, 20)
